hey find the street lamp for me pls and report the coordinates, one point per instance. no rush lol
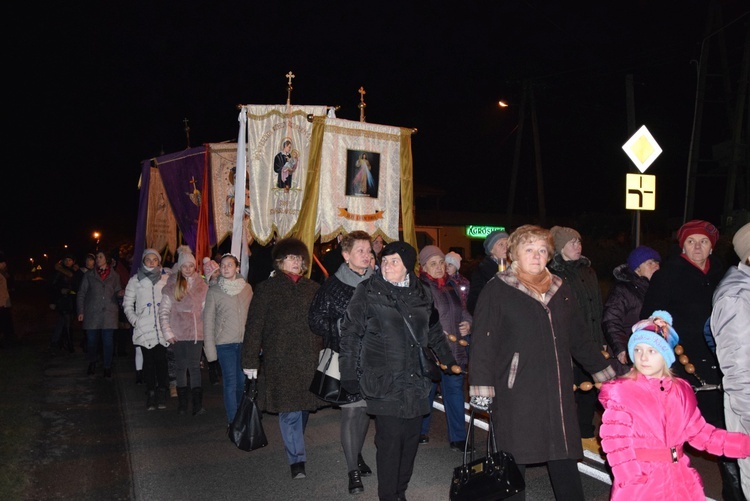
(97, 236)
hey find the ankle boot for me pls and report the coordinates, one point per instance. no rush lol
(150, 400)
(355, 482)
(365, 470)
(198, 401)
(730, 479)
(182, 395)
(161, 398)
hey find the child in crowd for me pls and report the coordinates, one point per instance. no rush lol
(649, 414)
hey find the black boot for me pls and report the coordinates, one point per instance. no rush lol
(355, 482)
(92, 369)
(150, 400)
(730, 480)
(182, 395)
(161, 398)
(198, 401)
(365, 470)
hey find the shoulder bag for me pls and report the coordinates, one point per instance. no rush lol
(326, 383)
(495, 476)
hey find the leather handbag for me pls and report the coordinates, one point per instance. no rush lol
(495, 476)
(326, 383)
(246, 429)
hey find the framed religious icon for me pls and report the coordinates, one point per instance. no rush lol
(362, 173)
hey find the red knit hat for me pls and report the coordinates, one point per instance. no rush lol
(697, 227)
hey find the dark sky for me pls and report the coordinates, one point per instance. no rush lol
(98, 87)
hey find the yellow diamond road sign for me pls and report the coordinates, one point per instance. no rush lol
(640, 192)
(642, 149)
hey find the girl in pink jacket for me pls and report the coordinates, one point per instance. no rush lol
(649, 415)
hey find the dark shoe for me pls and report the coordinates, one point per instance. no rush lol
(182, 396)
(198, 401)
(365, 470)
(355, 482)
(298, 470)
(92, 369)
(107, 373)
(423, 439)
(138, 377)
(458, 446)
(161, 398)
(151, 400)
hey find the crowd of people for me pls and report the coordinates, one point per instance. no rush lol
(527, 335)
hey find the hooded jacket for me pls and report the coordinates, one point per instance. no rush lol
(141, 306)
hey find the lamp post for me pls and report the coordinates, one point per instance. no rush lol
(97, 236)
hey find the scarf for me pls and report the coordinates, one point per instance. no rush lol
(703, 270)
(350, 277)
(103, 272)
(540, 283)
(292, 276)
(232, 287)
(441, 282)
(153, 274)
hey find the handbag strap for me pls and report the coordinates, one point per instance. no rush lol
(491, 441)
(408, 325)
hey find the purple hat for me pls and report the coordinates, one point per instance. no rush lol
(640, 255)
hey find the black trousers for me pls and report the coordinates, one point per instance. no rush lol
(397, 441)
(155, 371)
(565, 479)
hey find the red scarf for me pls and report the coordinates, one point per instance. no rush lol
(103, 272)
(706, 267)
(293, 277)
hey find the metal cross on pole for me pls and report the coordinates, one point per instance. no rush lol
(362, 105)
(289, 77)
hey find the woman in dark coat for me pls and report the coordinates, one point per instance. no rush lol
(380, 360)
(622, 309)
(684, 286)
(277, 324)
(527, 326)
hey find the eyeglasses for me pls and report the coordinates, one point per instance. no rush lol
(295, 259)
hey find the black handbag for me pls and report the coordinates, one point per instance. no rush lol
(246, 429)
(495, 476)
(326, 383)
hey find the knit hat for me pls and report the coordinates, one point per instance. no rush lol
(640, 255)
(741, 242)
(186, 256)
(562, 235)
(647, 332)
(151, 251)
(209, 267)
(427, 252)
(697, 227)
(453, 258)
(491, 240)
(406, 251)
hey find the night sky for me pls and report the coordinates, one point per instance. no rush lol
(98, 87)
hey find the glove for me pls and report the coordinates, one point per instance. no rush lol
(251, 373)
(481, 403)
(350, 385)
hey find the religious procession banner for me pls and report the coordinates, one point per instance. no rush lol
(223, 170)
(161, 226)
(278, 145)
(360, 179)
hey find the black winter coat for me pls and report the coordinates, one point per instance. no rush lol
(487, 269)
(622, 310)
(523, 348)
(378, 349)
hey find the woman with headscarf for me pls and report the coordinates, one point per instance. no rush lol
(99, 310)
(181, 317)
(684, 286)
(277, 326)
(389, 319)
(224, 318)
(141, 306)
(529, 327)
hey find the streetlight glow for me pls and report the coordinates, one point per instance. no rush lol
(502, 104)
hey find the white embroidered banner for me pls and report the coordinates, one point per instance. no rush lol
(359, 179)
(278, 146)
